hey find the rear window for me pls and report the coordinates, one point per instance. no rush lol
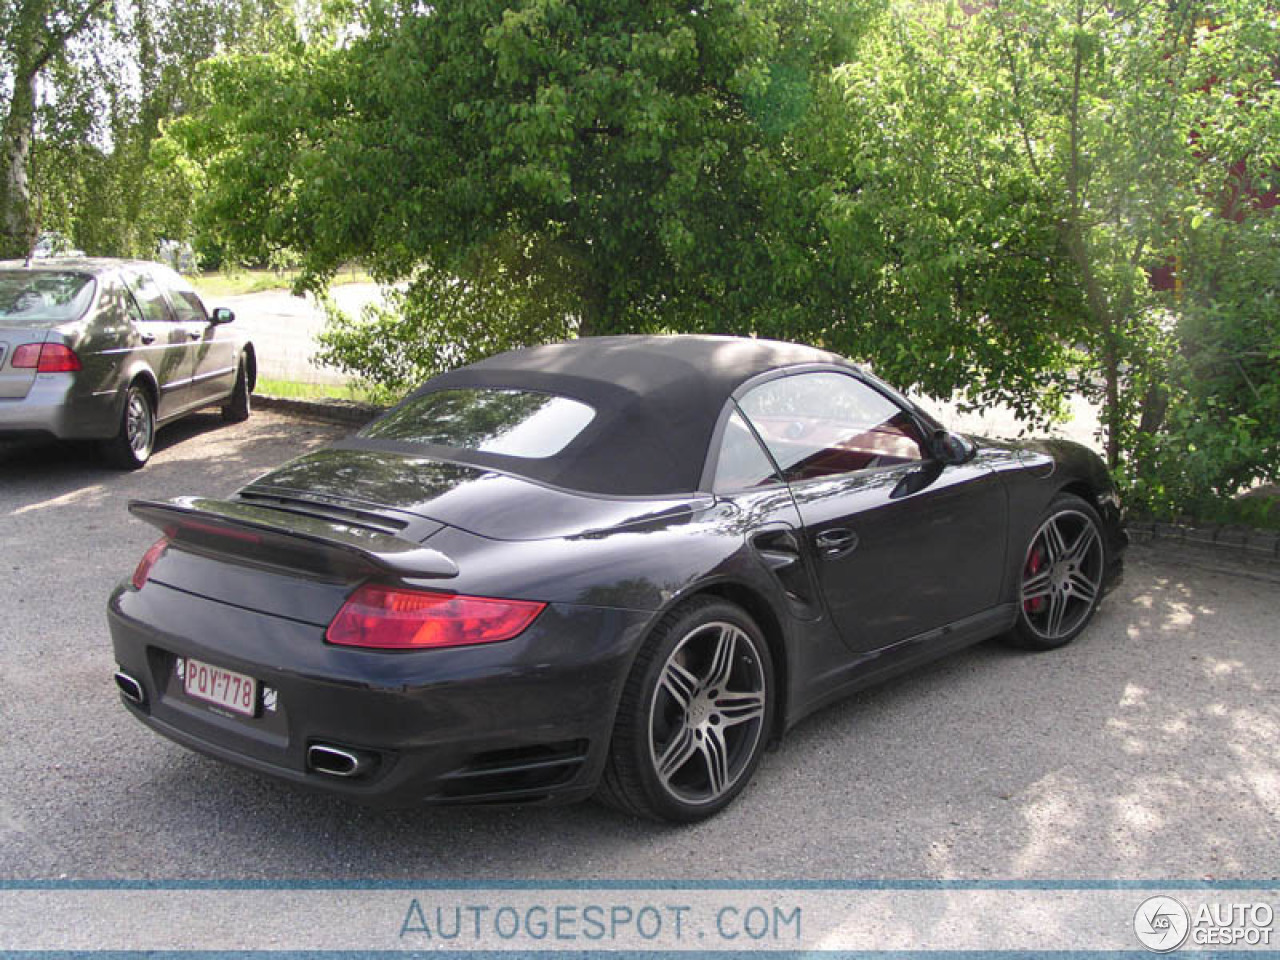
(512, 423)
(43, 295)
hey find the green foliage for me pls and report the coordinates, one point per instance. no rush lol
(966, 198)
(106, 91)
(430, 324)
(1221, 432)
(1091, 144)
(596, 168)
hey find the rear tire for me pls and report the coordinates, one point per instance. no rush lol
(1060, 580)
(131, 447)
(237, 407)
(694, 718)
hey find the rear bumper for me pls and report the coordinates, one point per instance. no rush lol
(54, 408)
(525, 721)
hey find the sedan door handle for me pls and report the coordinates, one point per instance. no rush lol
(147, 339)
(195, 334)
(836, 542)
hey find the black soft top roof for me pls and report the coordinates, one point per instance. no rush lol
(657, 400)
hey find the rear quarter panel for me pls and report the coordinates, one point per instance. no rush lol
(654, 567)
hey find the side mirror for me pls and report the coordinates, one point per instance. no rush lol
(222, 315)
(951, 448)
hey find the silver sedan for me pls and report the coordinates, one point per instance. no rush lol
(111, 350)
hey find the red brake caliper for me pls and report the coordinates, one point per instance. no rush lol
(1035, 563)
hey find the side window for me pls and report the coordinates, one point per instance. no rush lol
(819, 424)
(149, 296)
(121, 300)
(741, 464)
(186, 302)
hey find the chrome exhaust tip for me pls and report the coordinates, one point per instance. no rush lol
(130, 688)
(334, 761)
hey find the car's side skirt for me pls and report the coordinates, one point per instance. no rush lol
(879, 665)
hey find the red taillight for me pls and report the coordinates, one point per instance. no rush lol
(46, 358)
(148, 561)
(389, 619)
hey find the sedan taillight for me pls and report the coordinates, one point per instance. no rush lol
(46, 358)
(385, 618)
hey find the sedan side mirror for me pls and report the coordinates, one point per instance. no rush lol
(222, 315)
(951, 448)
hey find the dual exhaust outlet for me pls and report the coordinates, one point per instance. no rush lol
(323, 758)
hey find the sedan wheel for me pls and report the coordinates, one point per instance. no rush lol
(238, 405)
(695, 715)
(131, 447)
(1062, 574)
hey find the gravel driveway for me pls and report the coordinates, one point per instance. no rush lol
(1148, 749)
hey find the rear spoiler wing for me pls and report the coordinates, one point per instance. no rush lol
(232, 527)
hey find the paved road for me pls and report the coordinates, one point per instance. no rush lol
(1145, 750)
(283, 328)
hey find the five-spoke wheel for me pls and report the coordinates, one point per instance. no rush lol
(1062, 575)
(694, 717)
(707, 712)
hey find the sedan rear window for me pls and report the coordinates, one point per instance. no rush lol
(43, 295)
(513, 423)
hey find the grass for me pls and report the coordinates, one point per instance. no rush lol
(233, 283)
(298, 390)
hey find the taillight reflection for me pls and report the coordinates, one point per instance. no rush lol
(148, 561)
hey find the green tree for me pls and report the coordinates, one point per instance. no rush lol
(1212, 425)
(1085, 142)
(36, 36)
(89, 87)
(529, 167)
(968, 198)
(1219, 405)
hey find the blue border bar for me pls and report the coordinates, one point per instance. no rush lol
(408, 886)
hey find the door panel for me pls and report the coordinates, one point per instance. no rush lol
(901, 544)
(165, 343)
(928, 547)
(213, 352)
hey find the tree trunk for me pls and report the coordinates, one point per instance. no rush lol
(592, 319)
(18, 228)
(1111, 373)
(33, 42)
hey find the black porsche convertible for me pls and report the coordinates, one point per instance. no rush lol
(615, 566)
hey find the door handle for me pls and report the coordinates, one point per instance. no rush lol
(147, 339)
(195, 334)
(836, 542)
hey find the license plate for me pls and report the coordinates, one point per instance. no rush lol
(226, 688)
